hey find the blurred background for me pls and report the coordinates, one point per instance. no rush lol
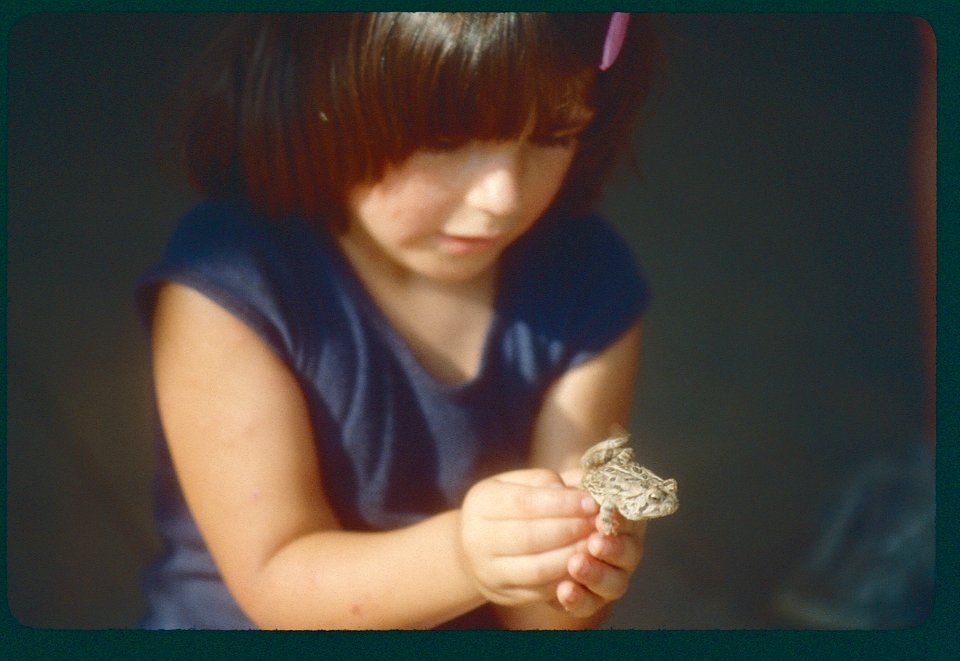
(771, 212)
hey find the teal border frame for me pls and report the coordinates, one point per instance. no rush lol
(933, 639)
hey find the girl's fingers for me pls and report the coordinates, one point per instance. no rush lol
(531, 494)
(572, 477)
(542, 569)
(534, 477)
(577, 600)
(623, 551)
(605, 581)
(604, 569)
(537, 536)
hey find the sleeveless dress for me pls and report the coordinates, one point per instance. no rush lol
(396, 445)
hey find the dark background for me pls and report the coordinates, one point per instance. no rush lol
(773, 220)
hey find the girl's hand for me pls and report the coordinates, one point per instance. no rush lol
(601, 569)
(519, 532)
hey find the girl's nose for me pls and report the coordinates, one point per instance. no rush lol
(496, 186)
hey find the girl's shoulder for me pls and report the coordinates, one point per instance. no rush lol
(575, 282)
(228, 233)
(219, 221)
(567, 250)
(256, 267)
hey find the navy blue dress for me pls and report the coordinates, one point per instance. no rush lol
(396, 445)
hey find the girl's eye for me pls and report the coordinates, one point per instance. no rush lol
(440, 149)
(444, 146)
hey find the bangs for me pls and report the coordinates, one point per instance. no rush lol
(293, 110)
(440, 79)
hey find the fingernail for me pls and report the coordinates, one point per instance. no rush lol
(579, 564)
(589, 504)
(596, 543)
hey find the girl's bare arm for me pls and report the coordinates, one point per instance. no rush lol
(578, 412)
(239, 434)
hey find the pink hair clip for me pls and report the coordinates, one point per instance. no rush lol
(616, 32)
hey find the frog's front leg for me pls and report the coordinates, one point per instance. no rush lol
(608, 525)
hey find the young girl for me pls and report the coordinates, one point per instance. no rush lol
(382, 344)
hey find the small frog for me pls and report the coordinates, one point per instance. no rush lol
(617, 482)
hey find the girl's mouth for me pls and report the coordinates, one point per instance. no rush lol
(462, 245)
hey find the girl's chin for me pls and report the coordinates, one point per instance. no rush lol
(456, 269)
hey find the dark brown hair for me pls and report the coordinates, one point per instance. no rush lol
(293, 110)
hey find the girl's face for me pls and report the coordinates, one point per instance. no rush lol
(447, 215)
